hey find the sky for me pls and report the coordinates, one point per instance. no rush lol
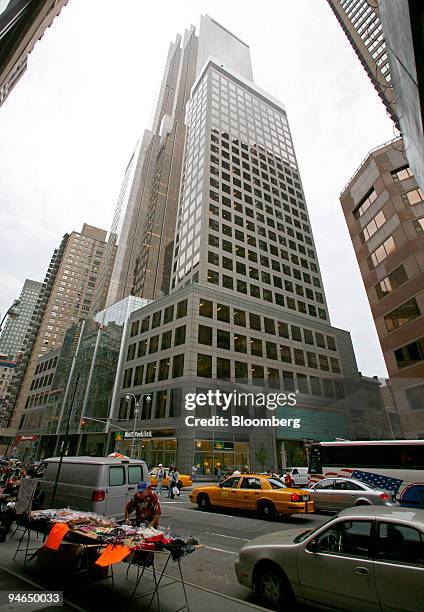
(69, 127)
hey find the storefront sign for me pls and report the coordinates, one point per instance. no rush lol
(224, 445)
(138, 434)
(31, 438)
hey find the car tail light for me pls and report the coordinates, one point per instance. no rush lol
(98, 495)
(384, 496)
(294, 497)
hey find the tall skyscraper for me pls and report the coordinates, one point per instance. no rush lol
(360, 20)
(22, 24)
(384, 211)
(68, 300)
(246, 306)
(12, 339)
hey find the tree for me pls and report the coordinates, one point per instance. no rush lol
(261, 455)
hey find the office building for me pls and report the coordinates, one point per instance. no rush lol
(12, 339)
(386, 35)
(244, 305)
(22, 24)
(72, 285)
(384, 211)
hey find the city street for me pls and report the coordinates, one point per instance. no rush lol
(209, 572)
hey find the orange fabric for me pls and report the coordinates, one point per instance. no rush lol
(56, 535)
(113, 554)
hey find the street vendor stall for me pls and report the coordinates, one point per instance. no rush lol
(102, 543)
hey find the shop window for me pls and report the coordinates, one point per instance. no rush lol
(206, 309)
(178, 366)
(204, 366)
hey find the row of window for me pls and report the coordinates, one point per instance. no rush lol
(159, 318)
(153, 405)
(38, 399)
(153, 371)
(241, 286)
(381, 252)
(258, 348)
(410, 354)
(151, 346)
(43, 381)
(402, 314)
(46, 365)
(241, 318)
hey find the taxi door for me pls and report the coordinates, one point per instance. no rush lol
(227, 493)
(249, 492)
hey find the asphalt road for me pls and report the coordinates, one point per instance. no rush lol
(223, 532)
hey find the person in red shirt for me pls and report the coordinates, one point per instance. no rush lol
(146, 505)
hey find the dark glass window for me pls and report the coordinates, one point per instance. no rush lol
(163, 369)
(166, 340)
(223, 313)
(134, 328)
(156, 319)
(180, 335)
(153, 344)
(241, 370)
(223, 368)
(168, 314)
(178, 366)
(205, 335)
(144, 325)
(181, 309)
(150, 372)
(204, 366)
(206, 309)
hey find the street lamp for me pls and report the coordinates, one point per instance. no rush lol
(12, 313)
(128, 397)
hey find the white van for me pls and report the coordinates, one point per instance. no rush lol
(103, 485)
(299, 475)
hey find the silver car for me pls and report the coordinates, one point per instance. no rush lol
(336, 494)
(367, 559)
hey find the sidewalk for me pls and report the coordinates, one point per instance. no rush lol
(99, 595)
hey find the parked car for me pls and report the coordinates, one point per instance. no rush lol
(299, 476)
(184, 481)
(369, 558)
(335, 494)
(266, 495)
(103, 485)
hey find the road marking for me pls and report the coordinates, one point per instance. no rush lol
(230, 552)
(221, 535)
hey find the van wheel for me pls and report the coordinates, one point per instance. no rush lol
(272, 587)
(267, 511)
(203, 502)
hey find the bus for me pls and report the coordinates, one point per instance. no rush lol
(393, 465)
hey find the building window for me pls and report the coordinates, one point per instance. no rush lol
(410, 354)
(153, 344)
(223, 339)
(181, 309)
(413, 197)
(127, 378)
(138, 375)
(204, 366)
(142, 347)
(131, 352)
(391, 282)
(168, 314)
(166, 340)
(241, 371)
(206, 309)
(381, 253)
(178, 366)
(402, 314)
(365, 203)
(156, 319)
(144, 325)
(161, 397)
(163, 369)
(205, 335)
(372, 227)
(239, 317)
(419, 226)
(223, 368)
(213, 277)
(258, 375)
(150, 372)
(134, 328)
(256, 347)
(223, 313)
(401, 173)
(255, 322)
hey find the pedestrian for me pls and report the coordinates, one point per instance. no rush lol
(218, 474)
(175, 480)
(146, 505)
(159, 477)
(170, 481)
(236, 473)
(288, 480)
(194, 473)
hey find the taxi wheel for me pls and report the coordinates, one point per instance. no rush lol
(272, 587)
(267, 511)
(203, 502)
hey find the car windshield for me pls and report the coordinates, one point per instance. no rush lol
(276, 484)
(308, 532)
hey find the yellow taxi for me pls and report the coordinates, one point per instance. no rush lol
(264, 494)
(184, 481)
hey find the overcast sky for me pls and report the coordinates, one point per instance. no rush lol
(68, 128)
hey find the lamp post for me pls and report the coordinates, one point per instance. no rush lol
(128, 397)
(11, 313)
